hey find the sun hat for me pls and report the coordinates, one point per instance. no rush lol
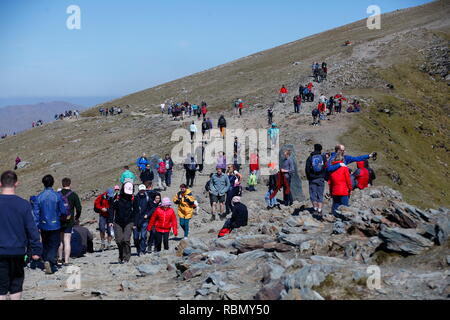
(166, 202)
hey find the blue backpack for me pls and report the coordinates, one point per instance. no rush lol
(66, 204)
(317, 163)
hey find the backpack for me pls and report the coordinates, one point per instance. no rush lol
(207, 186)
(317, 163)
(205, 126)
(162, 167)
(66, 204)
(192, 167)
(222, 122)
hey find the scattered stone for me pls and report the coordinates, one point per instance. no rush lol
(404, 240)
(250, 243)
(148, 270)
(23, 165)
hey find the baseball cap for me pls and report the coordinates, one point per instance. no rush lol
(142, 187)
(128, 188)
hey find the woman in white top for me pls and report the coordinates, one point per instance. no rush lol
(193, 130)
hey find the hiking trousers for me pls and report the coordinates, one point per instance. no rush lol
(161, 237)
(50, 243)
(190, 177)
(123, 240)
(184, 224)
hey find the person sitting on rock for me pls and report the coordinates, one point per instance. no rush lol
(239, 216)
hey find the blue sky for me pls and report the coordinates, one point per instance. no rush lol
(127, 46)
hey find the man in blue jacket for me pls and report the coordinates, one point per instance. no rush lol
(48, 212)
(17, 232)
(347, 159)
(142, 162)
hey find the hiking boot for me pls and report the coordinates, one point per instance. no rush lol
(102, 247)
(279, 206)
(59, 263)
(213, 217)
(269, 207)
(48, 268)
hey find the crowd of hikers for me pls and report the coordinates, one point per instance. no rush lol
(68, 114)
(110, 111)
(45, 232)
(38, 123)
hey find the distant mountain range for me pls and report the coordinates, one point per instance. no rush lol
(18, 118)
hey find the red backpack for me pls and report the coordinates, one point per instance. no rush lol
(162, 167)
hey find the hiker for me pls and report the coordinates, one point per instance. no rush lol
(49, 211)
(81, 241)
(316, 117)
(193, 130)
(272, 184)
(122, 219)
(330, 105)
(186, 205)
(154, 204)
(236, 161)
(163, 106)
(274, 133)
(340, 148)
(218, 186)
(283, 94)
(142, 162)
(162, 170)
(340, 184)
(239, 216)
(18, 231)
(149, 190)
(205, 128)
(222, 124)
(163, 219)
(297, 103)
(196, 111)
(372, 175)
(141, 207)
(103, 205)
(221, 161)
(287, 168)
(236, 106)
(127, 175)
(204, 110)
(251, 183)
(362, 176)
(191, 167)
(73, 205)
(169, 170)
(322, 111)
(147, 174)
(235, 187)
(241, 107)
(270, 115)
(315, 170)
(210, 124)
(236, 145)
(254, 164)
(18, 160)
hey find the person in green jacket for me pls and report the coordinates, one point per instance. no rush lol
(127, 175)
(251, 182)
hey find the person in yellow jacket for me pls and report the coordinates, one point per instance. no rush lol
(186, 206)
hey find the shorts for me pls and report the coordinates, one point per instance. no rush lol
(217, 199)
(12, 274)
(103, 225)
(316, 190)
(67, 229)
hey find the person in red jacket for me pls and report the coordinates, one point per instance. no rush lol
(340, 184)
(254, 164)
(163, 219)
(310, 86)
(283, 93)
(102, 206)
(361, 176)
(204, 111)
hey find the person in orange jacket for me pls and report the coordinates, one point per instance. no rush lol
(163, 219)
